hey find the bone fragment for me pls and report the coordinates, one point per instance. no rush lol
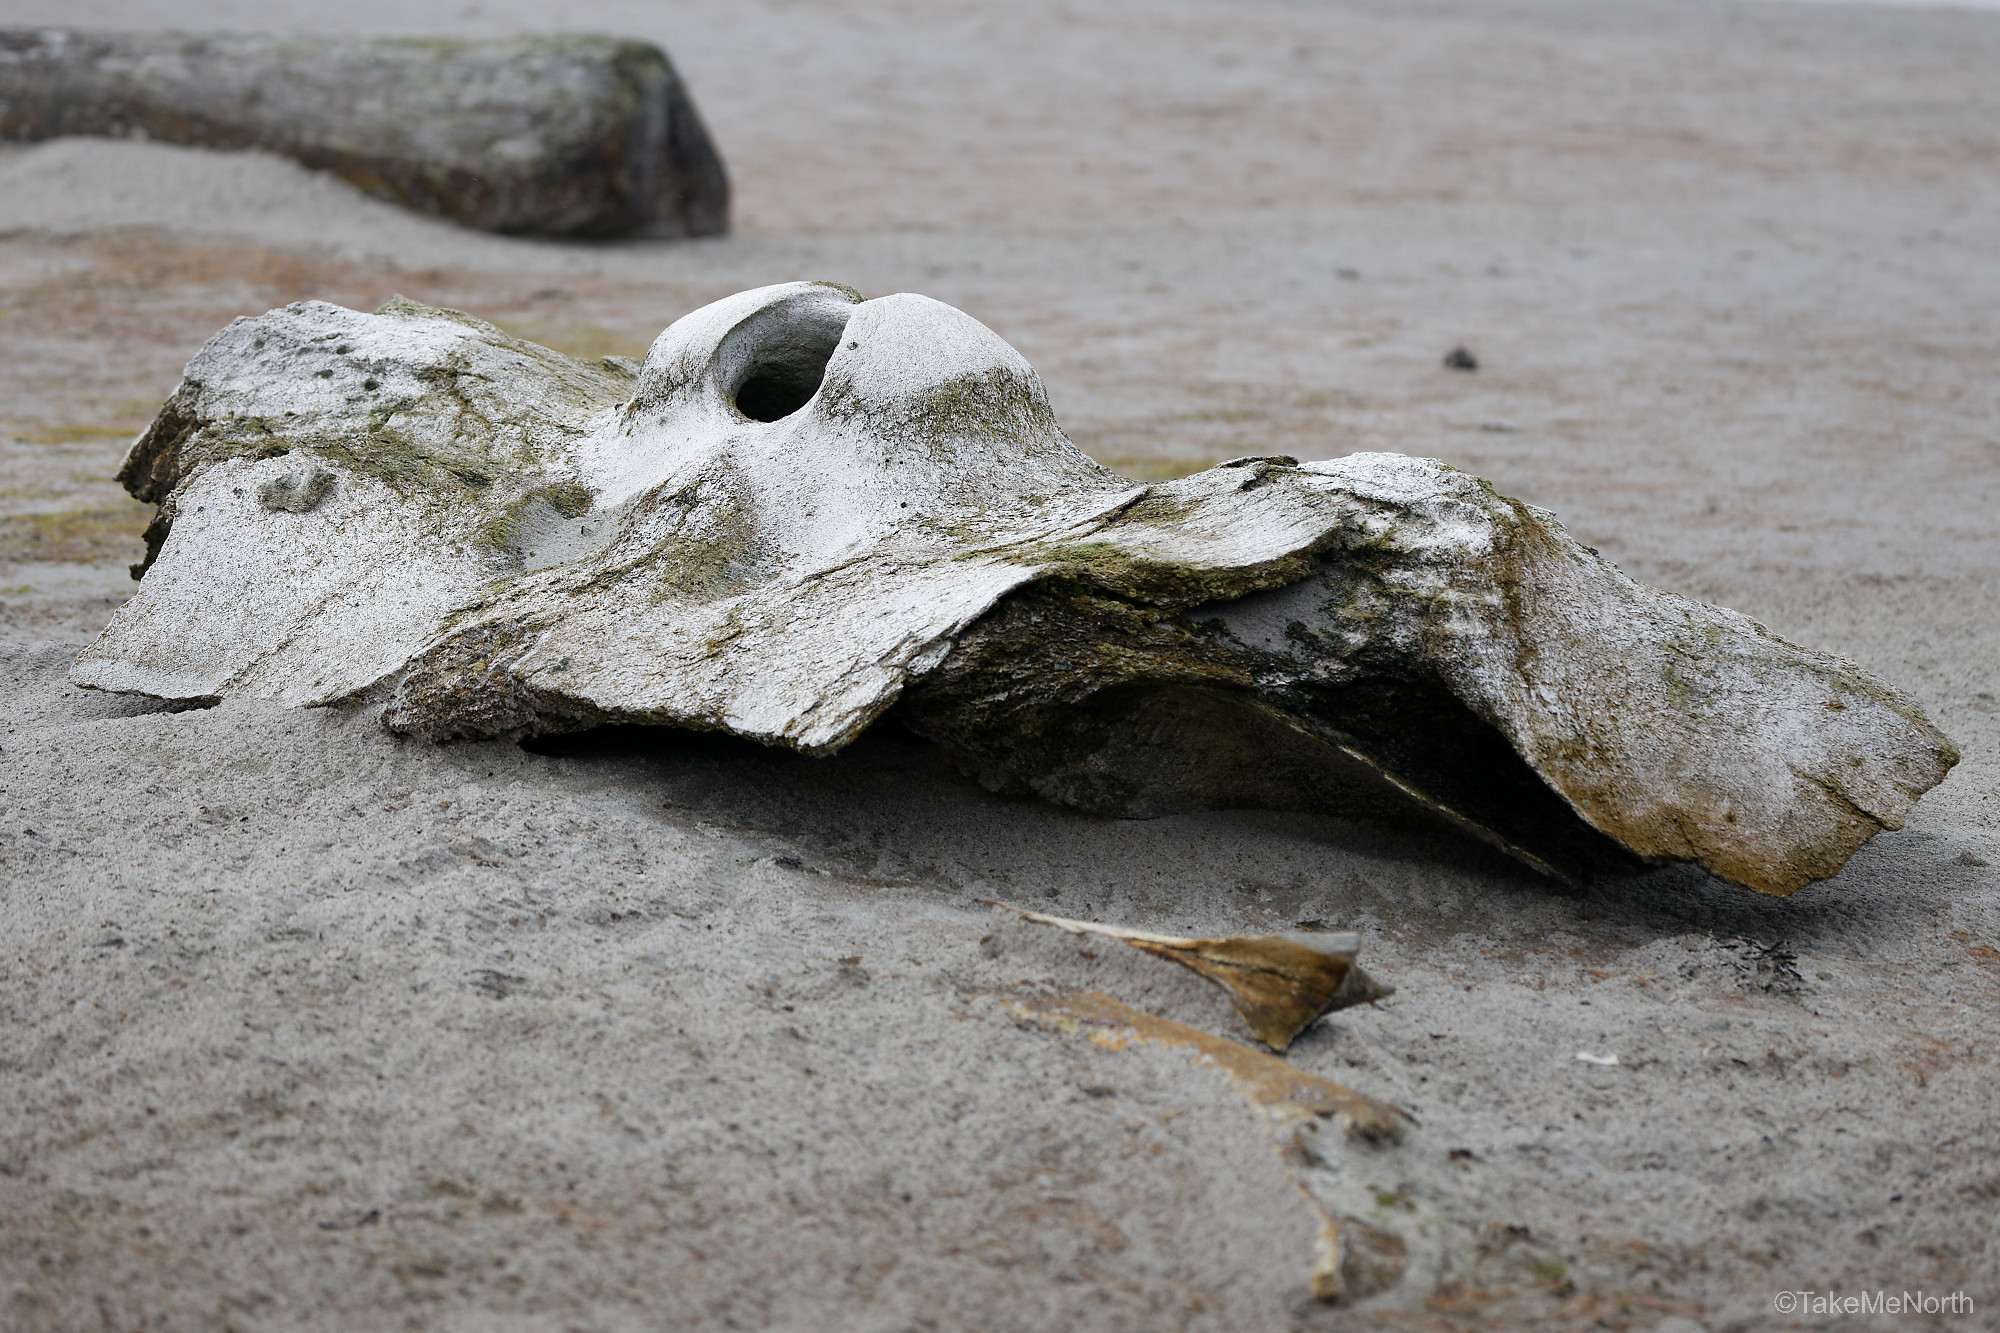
(1280, 984)
(568, 135)
(807, 509)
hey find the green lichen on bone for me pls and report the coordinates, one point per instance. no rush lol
(498, 531)
(442, 428)
(297, 494)
(568, 499)
(1168, 583)
(982, 402)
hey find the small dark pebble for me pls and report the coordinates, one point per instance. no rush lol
(367, 1219)
(1460, 358)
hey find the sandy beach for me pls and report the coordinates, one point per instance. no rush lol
(307, 1026)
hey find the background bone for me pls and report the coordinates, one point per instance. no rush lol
(583, 136)
(1729, 272)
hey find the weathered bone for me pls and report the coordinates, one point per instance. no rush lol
(571, 135)
(806, 509)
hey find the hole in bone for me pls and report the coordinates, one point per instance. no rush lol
(788, 359)
(779, 388)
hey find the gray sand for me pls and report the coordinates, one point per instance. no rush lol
(307, 1027)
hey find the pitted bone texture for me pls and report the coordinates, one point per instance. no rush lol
(571, 135)
(806, 509)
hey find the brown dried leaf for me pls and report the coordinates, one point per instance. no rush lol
(1280, 984)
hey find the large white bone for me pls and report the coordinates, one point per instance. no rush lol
(806, 508)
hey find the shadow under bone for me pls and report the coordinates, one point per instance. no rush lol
(894, 808)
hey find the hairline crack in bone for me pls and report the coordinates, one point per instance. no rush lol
(806, 509)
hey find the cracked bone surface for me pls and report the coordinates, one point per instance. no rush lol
(571, 135)
(806, 509)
